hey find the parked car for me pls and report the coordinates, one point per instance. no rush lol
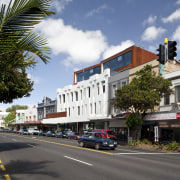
(65, 134)
(97, 141)
(50, 134)
(33, 131)
(23, 132)
(107, 133)
(73, 135)
(15, 131)
(41, 133)
(59, 134)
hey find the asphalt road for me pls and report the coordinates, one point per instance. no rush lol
(46, 158)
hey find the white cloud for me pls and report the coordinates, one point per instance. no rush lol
(178, 2)
(97, 10)
(59, 5)
(152, 33)
(150, 20)
(153, 48)
(111, 50)
(176, 34)
(174, 16)
(80, 46)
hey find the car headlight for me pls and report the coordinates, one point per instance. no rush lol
(105, 142)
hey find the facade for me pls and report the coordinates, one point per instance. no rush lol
(47, 106)
(87, 101)
(165, 124)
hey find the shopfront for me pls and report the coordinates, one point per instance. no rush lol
(162, 127)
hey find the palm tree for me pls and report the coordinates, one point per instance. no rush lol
(16, 24)
(19, 45)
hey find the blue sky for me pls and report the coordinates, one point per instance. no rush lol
(84, 32)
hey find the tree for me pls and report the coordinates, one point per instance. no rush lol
(19, 45)
(143, 93)
(9, 118)
(16, 107)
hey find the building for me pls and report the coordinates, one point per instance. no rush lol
(165, 124)
(87, 102)
(47, 106)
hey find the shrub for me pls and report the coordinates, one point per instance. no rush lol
(134, 143)
(146, 141)
(172, 146)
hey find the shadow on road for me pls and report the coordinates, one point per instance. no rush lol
(28, 168)
(14, 146)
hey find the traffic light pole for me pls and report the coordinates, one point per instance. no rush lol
(166, 49)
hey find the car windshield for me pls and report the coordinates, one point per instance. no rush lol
(110, 133)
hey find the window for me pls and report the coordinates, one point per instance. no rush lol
(81, 94)
(166, 100)
(94, 108)
(91, 108)
(60, 98)
(78, 110)
(64, 98)
(89, 92)
(103, 86)
(177, 94)
(118, 62)
(69, 112)
(114, 89)
(123, 83)
(72, 96)
(76, 95)
(98, 88)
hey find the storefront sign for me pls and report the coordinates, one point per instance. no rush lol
(164, 116)
(177, 115)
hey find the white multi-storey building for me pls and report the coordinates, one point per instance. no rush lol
(85, 101)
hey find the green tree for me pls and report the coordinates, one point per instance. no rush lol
(20, 45)
(9, 118)
(16, 107)
(143, 93)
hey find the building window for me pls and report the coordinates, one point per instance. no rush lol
(60, 99)
(76, 93)
(81, 94)
(166, 100)
(94, 108)
(123, 83)
(177, 94)
(78, 110)
(114, 89)
(103, 86)
(64, 98)
(91, 108)
(72, 96)
(69, 112)
(98, 88)
(89, 92)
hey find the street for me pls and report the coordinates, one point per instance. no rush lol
(49, 158)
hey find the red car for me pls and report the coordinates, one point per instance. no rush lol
(15, 131)
(73, 135)
(107, 133)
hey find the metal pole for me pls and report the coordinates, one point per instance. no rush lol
(166, 49)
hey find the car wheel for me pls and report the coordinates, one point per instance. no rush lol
(81, 144)
(97, 147)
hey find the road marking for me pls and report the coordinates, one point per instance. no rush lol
(139, 153)
(7, 177)
(3, 168)
(31, 145)
(126, 150)
(0, 161)
(78, 161)
(14, 140)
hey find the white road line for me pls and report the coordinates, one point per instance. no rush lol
(125, 150)
(14, 140)
(78, 161)
(140, 153)
(31, 145)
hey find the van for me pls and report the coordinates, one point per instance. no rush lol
(108, 133)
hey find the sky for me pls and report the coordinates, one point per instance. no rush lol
(85, 32)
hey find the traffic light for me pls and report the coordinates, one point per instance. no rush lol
(161, 54)
(172, 50)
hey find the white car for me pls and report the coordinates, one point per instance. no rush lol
(33, 131)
